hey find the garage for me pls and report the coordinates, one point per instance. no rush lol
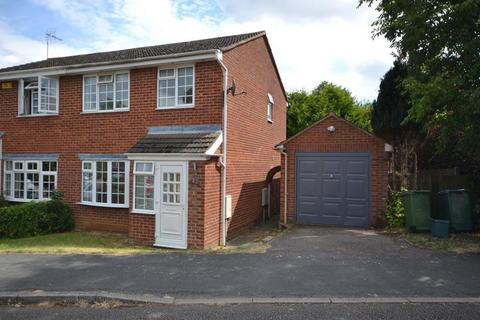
(334, 173)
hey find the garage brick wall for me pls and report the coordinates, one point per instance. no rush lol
(346, 138)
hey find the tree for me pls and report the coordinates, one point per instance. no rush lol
(440, 40)
(389, 121)
(307, 108)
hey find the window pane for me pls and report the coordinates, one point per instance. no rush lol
(8, 165)
(144, 167)
(166, 92)
(48, 94)
(33, 166)
(166, 73)
(121, 90)
(48, 185)
(19, 185)
(118, 182)
(90, 93)
(32, 185)
(144, 192)
(185, 86)
(102, 182)
(87, 185)
(8, 185)
(105, 96)
(18, 165)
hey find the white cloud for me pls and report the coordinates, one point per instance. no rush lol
(312, 40)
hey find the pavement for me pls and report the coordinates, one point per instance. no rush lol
(252, 312)
(315, 262)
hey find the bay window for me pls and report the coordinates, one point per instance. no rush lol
(26, 180)
(38, 96)
(105, 183)
(176, 87)
(144, 190)
(106, 92)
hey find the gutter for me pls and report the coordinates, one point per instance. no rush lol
(281, 149)
(223, 159)
(203, 55)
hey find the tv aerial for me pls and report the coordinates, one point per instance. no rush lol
(51, 37)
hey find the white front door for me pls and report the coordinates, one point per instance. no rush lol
(171, 200)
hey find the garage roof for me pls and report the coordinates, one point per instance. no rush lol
(330, 115)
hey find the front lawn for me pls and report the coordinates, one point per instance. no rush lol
(460, 243)
(76, 243)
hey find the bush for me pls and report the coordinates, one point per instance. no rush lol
(395, 211)
(3, 202)
(35, 218)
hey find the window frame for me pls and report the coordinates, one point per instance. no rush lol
(40, 112)
(137, 173)
(270, 105)
(175, 75)
(97, 96)
(25, 171)
(93, 170)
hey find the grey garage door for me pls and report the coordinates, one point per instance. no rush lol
(333, 188)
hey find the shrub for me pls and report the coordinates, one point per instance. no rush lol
(395, 211)
(35, 218)
(3, 202)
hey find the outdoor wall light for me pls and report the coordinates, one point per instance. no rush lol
(331, 129)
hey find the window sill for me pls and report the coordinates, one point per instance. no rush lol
(105, 111)
(176, 107)
(24, 200)
(104, 205)
(151, 213)
(37, 115)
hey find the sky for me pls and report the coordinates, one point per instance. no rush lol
(312, 40)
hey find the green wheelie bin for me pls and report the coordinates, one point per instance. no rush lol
(455, 205)
(417, 209)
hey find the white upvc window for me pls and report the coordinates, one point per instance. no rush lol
(270, 108)
(105, 183)
(176, 87)
(38, 96)
(27, 180)
(106, 92)
(144, 190)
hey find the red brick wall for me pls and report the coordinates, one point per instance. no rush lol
(250, 137)
(72, 133)
(347, 138)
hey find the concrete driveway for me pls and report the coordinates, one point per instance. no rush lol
(308, 261)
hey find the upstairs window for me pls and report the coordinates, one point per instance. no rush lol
(270, 108)
(175, 87)
(29, 180)
(38, 96)
(106, 92)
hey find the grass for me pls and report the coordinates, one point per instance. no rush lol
(460, 243)
(104, 243)
(76, 243)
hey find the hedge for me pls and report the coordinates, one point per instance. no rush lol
(35, 218)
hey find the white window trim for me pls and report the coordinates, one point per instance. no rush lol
(97, 103)
(175, 70)
(143, 173)
(25, 171)
(270, 111)
(109, 203)
(21, 99)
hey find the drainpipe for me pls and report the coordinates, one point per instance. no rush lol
(223, 159)
(281, 149)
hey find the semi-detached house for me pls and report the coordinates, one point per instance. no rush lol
(151, 142)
